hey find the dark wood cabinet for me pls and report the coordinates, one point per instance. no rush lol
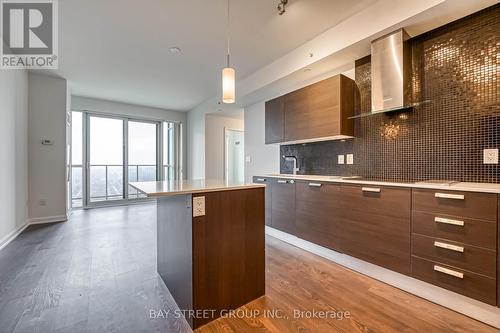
(447, 238)
(268, 192)
(316, 112)
(283, 205)
(317, 213)
(297, 115)
(454, 241)
(376, 225)
(275, 120)
(331, 102)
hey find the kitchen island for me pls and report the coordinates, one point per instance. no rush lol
(210, 244)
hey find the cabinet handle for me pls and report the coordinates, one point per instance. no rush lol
(451, 247)
(449, 221)
(371, 189)
(449, 196)
(261, 179)
(447, 271)
(282, 181)
(315, 184)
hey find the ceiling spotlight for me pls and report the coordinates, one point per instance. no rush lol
(175, 49)
(281, 6)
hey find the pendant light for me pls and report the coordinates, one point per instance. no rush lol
(228, 73)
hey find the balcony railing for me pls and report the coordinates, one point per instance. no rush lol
(106, 181)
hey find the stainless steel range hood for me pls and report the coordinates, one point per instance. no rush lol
(391, 72)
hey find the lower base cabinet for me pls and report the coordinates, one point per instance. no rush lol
(283, 205)
(376, 225)
(382, 225)
(317, 208)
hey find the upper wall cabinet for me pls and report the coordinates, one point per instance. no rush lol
(314, 113)
(275, 120)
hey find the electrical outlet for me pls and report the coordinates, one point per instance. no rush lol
(490, 156)
(198, 206)
(350, 158)
(340, 159)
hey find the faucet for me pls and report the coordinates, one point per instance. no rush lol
(294, 159)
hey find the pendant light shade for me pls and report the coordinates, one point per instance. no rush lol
(228, 73)
(228, 85)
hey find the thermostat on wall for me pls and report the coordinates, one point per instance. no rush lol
(47, 142)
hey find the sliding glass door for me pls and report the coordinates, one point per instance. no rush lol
(105, 159)
(111, 151)
(142, 154)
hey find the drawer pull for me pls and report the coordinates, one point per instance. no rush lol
(315, 184)
(451, 247)
(449, 196)
(261, 179)
(448, 271)
(449, 221)
(282, 181)
(371, 189)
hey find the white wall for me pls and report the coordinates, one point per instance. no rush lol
(13, 152)
(47, 163)
(214, 143)
(264, 158)
(99, 105)
(196, 143)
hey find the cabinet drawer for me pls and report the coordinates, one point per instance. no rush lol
(471, 258)
(387, 201)
(469, 204)
(459, 229)
(460, 281)
(317, 218)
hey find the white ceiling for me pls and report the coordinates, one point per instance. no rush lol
(119, 49)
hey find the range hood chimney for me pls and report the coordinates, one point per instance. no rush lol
(391, 72)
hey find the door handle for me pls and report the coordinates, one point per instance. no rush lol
(449, 221)
(451, 247)
(448, 271)
(449, 196)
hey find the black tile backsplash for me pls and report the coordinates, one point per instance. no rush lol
(456, 68)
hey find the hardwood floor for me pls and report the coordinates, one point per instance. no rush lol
(97, 273)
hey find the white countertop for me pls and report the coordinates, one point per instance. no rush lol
(175, 187)
(458, 186)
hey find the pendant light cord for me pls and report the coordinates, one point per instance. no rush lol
(228, 26)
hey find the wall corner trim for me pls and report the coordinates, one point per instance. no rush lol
(12, 235)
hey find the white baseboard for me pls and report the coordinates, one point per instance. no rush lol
(48, 219)
(12, 235)
(480, 311)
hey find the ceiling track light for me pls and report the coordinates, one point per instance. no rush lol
(281, 7)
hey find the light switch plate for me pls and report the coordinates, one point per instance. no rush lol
(248, 159)
(350, 158)
(340, 159)
(198, 206)
(490, 156)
